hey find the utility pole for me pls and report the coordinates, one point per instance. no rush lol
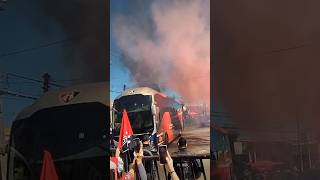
(46, 81)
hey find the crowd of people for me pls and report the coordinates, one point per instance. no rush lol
(176, 169)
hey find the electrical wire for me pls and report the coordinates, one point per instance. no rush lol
(46, 45)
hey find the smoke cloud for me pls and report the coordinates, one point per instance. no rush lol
(171, 48)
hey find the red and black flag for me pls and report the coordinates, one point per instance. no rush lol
(125, 132)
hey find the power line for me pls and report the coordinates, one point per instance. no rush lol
(16, 94)
(15, 52)
(33, 48)
(68, 81)
(275, 51)
(31, 79)
(288, 48)
(16, 98)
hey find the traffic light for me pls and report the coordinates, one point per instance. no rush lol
(46, 82)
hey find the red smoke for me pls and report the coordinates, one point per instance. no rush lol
(177, 53)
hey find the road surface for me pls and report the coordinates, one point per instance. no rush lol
(198, 140)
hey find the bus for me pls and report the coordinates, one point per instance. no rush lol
(70, 123)
(146, 108)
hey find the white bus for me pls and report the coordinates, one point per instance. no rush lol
(71, 124)
(145, 107)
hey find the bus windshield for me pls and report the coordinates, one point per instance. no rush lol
(75, 135)
(139, 112)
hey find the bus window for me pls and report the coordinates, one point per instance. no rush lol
(139, 112)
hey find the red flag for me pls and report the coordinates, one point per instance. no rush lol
(48, 171)
(125, 130)
(167, 125)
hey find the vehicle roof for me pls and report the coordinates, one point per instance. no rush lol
(91, 92)
(139, 90)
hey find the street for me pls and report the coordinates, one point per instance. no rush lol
(198, 140)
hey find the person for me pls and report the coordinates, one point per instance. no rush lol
(136, 164)
(138, 161)
(116, 165)
(113, 170)
(186, 168)
(172, 172)
(149, 151)
(146, 142)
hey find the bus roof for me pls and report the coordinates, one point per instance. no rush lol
(139, 90)
(84, 93)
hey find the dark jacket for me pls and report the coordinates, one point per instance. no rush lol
(187, 169)
(149, 165)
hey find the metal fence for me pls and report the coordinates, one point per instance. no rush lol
(155, 171)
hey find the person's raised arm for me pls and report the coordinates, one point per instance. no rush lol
(138, 156)
(172, 172)
(117, 152)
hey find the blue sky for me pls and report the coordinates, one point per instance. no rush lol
(119, 74)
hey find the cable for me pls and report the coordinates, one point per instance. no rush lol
(31, 79)
(20, 82)
(68, 80)
(15, 52)
(17, 99)
(17, 94)
(33, 48)
(275, 51)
